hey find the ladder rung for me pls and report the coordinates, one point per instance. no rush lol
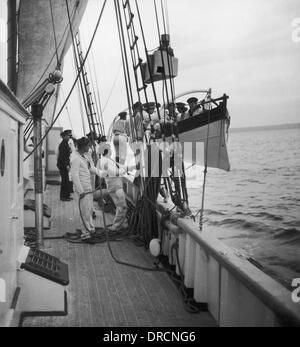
(134, 43)
(126, 3)
(130, 21)
(142, 88)
(138, 64)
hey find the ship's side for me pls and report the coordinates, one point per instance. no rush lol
(12, 119)
(237, 292)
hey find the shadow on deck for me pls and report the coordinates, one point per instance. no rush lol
(103, 293)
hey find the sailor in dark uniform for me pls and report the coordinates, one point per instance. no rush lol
(195, 109)
(63, 164)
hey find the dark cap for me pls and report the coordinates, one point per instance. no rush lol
(192, 99)
(180, 104)
(171, 104)
(81, 143)
(90, 134)
(137, 105)
(66, 133)
(148, 105)
(122, 115)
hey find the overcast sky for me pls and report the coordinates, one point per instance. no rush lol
(241, 48)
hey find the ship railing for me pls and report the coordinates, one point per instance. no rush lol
(237, 292)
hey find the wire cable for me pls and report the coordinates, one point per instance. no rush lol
(54, 34)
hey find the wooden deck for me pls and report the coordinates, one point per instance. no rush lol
(103, 293)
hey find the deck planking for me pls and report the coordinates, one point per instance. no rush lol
(103, 293)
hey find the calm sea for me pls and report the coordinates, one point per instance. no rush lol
(255, 207)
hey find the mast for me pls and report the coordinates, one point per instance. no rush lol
(12, 45)
(37, 114)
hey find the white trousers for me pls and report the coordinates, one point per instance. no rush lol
(86, 209)
(120, 143)
(119, 200)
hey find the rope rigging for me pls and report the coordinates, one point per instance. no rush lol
(80, 68)
(143, 221)
(54, 34)
(50, 62)
(74, 83)
(29, 128)
(112, 88)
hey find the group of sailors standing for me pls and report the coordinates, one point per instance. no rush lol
(151, 115)
(75, 159)
(172, 112)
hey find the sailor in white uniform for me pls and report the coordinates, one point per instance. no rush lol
(81, 170)
(121, 131)
(113, 173)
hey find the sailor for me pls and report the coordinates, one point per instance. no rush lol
(151, 112)
(182, 109)
(81, 170)
(151, 120)
(172, 112)
(137, 114)
(113, 173)
(121, 131)
(72, 144)
(91, 155)
(63, 164)
(92, 137)
(194, 108)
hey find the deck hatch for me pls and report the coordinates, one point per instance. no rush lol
(47, 266)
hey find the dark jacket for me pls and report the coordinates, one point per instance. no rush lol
(64, 152)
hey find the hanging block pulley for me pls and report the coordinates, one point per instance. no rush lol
(162, 64)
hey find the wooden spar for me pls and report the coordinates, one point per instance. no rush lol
(12, 45)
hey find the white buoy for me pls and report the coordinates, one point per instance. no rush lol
(155, 248)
